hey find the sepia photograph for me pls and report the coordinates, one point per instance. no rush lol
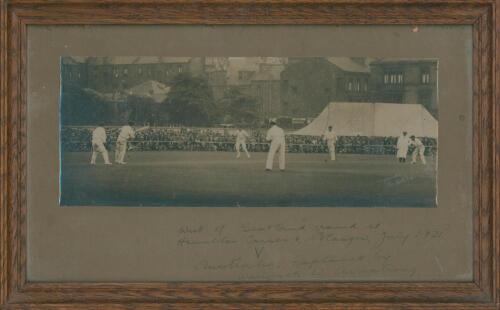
(248, 131)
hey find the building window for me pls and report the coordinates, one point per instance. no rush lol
(125, 72)
(393, 78)
(348, 85)
(425, 77)
(356, 85)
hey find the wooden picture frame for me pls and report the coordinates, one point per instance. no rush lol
(482, 293)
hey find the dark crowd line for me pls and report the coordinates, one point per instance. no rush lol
(78, 139)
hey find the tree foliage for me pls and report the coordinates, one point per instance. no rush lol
(238, 107)
(190, 101)
(79, 107)
(144, 110)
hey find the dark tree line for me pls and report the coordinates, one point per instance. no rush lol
(190, 102)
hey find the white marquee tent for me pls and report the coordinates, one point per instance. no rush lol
(373, 119)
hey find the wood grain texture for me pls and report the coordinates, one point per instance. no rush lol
(257, 306)
(496, 151)
(4, 222)
(250, 292)
(496, 128)
(252, 2)
(261, 13)
(482, 293)
(483, 152)
(13, 165)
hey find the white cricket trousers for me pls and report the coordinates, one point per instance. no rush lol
(276, 147)
(241, 145)
(331, 149)
(416, 152)
(121, 149)
(98, 147)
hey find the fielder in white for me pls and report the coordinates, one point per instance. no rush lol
(241, 142)
(331, 139)
(276, 136)
(419, 150)
(402, 147)
(98, 140)
(126, 133)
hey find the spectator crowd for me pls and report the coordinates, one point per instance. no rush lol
(78, 139)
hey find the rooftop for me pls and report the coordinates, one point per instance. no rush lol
(271, 73)
(348, 64)
(124, 60)
(403, 60)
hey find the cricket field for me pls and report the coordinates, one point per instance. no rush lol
(219, 179)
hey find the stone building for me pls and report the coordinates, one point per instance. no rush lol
(259, 78)
(291, 87)
(113, 74)
(216, 73)
(406, 81)
(309, 84)
(265, 87)
(74, 70)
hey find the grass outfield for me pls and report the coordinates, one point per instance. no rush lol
(219, 179)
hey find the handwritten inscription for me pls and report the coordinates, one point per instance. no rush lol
(298, 251)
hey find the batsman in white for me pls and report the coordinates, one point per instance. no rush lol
(241, 142)
(276, 136)
(126, 133)
(331, 139)
(402, 147)
(419, 150)
(98, 140)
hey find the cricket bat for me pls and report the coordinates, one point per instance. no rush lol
(142, 129)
